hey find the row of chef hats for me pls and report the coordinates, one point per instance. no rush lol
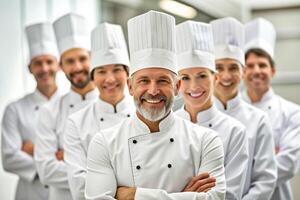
(154, 40)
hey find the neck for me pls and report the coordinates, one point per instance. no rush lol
(47, 91)
(152, 125)
(193, 112)
(85, 90)
(113, 100)
(256, 95)
(224, 99)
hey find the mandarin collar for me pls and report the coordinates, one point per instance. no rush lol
(106, 107)
(91, 95)
(266, 97)
(164, 126)
(231, 104)
(202, 116)
(39, 97)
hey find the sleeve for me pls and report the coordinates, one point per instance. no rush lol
(75, 158)
(236, 164)
(13, 158)
(51, 171)
(264, 171)
(101, 182)
(288, 158)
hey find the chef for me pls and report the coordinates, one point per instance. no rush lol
(261, 176)
(153, 154)
(73, 41)
(109, 71)
(196, 65)
(285, 115)
(19, 125)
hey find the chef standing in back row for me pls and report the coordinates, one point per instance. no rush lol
(19, 125)
(73, 39)
(285, 115)
(109, 71)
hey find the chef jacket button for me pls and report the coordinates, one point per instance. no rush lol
(128, 115)
(101, 119)
(71, 105)
(134, 141)
(171, 139)
(169, 165)
(36, 108)
(210, 125)
(46, 186)
(138, 167)
(269, 107)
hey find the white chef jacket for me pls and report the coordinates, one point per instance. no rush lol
(285, 118)
(80, 129)
(262, 172)
(235, 144)
(159, 164)
(20, 124)
(50, 138)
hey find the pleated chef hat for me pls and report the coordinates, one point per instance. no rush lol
(260, 33)
(195, 46)
(229, 39)
(41, 40)
(152, 41)
(71, 31)
(108, 46)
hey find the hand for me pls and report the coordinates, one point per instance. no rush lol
(59, 154)
(277, 149)
(125, 193)
(201, 183)
(28, 147)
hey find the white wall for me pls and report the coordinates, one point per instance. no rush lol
(15, 79)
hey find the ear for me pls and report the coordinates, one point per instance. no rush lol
(273, 71)
(129, 83)
(178, 84)
(29, 68)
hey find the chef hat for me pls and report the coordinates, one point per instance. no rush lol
(108, 46)
(260, 33)
(152, 41)
(71, 31)
(195, 46)
(41, 40)
(228, 36)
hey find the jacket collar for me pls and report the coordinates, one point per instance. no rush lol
(232, 104)
(106, 107)
(266, 97)
(39, 97)
(202, 117)
(164, 126)
(76, 97)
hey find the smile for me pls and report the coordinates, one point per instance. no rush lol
(196, 95)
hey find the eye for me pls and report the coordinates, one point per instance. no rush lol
(219, 68)
(116, 70)
(143, 81)
(185, 78)
(101, 72)
(250, 66)
(263, 65)
(82, 58)
(201, 76)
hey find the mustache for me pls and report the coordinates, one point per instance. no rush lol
(42, 74)
(158, 97)
(79, 72)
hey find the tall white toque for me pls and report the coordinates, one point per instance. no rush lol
(71, 31)
(229, 37)
(195, 46)
(108, 46)
(260, 33)
(152, 42)
(41, 40)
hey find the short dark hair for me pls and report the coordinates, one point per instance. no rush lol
(260, 53)
(92, 72)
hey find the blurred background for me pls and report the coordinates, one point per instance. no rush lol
(15, 80)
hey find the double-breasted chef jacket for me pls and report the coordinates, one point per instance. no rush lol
(159, 164)
(50, 139)
(19, 125)
(80, 129)
(285, 117)
(235, 144)
(262, 172)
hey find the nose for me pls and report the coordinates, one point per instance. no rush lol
(194, 85)
(110, 77)
(77, 66)
(45, 67)
(153, 88)
(256, 69)
(225, 75)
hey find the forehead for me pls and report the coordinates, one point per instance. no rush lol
(193, 70)
(108, 67)
(252, 57)
(153, 73)
(43, 58)
(75, 52)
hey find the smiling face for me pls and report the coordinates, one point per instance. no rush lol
(153, 90)
(76, 64)
(197, 86)
(258, 73)
(110, 80)
(44, 69)
(227, 79)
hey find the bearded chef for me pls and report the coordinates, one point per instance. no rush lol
(109, 71)
(285, 115)
(73, 41)
(154, 154)
(19, 125)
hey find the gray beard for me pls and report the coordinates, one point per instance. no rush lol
(154, 114)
